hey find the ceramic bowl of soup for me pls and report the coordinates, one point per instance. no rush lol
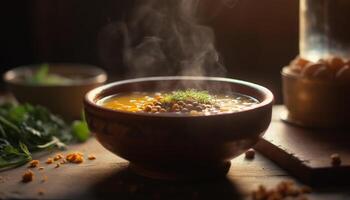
(60, 87)
(179, 127)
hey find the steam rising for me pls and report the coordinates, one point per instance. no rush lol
(164, 37)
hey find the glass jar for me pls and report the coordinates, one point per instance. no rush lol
(324, 29)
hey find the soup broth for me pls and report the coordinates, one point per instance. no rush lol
(190, 102)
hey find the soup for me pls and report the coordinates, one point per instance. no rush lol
(190, 102)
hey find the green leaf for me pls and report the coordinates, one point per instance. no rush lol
(41, 74)
(11, 156)
(9, 124)
(18, 113)
(24, 148)
(25, 128)
(80, 130)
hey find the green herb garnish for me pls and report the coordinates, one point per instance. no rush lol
(26, 128)
(188, 95)
(43, 77)
(80, 130)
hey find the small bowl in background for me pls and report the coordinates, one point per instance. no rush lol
(65, 100)
(315, 103)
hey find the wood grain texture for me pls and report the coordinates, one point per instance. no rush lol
(108, 177)
(306, 152)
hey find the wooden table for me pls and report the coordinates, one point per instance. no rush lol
(107, 176)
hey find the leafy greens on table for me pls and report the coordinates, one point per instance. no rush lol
(26, 128)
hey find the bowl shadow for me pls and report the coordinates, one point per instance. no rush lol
(124, 184)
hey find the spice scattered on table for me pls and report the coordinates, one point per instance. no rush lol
(250, 154)
(75, 157)
(58, 157)
(284, 190)
(91, 157)
(336, 160)
(49, 161)
(28, 176)
(34, 163)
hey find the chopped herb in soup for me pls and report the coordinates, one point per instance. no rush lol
(192, 102)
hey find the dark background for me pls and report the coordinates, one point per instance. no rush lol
(255, 38)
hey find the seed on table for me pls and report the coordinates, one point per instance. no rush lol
(28, 176)
(195, 103)
(34, 163)
(49, 161)
(162, 110)
(250, 154)
(181, 103)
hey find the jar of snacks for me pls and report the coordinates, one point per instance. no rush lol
(316, 84)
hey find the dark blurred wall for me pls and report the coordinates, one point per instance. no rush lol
(255, 38)
(16, 34)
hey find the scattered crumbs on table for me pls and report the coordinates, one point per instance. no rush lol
(336, 160)
(75, 157)
(283, 190)
(49, 161)
(58, 157)
(91, 157)
(34, 163)
(250, 154)
(28, 176)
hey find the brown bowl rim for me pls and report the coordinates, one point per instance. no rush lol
(90, 96)
(98, 75)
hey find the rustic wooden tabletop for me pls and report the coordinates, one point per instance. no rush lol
(109, 177)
